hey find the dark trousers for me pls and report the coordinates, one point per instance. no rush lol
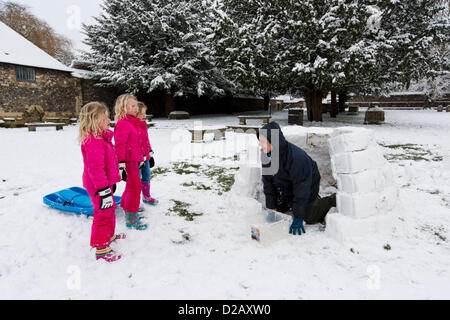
(318, 209)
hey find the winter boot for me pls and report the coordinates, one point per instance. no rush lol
(107, 254)
(150, 200)
(133, 221)
(146, 194)
(118, 236)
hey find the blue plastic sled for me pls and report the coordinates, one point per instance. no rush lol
(74, 200)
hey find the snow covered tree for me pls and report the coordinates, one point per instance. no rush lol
(293, 46)
(244, 44)
(146, 45)
(351, 46)
(19, 18)
(408, 34)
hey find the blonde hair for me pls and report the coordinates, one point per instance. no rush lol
(142, 108)
(90, 116)
(120, 109)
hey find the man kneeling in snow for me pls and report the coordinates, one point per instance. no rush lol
(291, 180)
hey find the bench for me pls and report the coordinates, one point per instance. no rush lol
(13, 122)
(243, 119)
(198, 133)
(64, 120)
(374, 116)
(33, 126)
(178, 115)
(244, 128)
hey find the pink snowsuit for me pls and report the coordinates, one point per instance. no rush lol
(145, 142)
(128, 140)
(101, 170)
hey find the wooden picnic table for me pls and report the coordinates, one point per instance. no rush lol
(243, 119)
(198, 133)
(32, 126)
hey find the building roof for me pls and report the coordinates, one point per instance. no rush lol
(15, 49)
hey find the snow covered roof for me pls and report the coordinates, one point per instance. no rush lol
(15, 49)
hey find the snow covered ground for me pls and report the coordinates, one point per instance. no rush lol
(198, 245)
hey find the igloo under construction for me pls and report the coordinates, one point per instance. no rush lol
(351, 164)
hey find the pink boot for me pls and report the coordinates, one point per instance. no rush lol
(146, 194)
(107, 254)
(118, 236)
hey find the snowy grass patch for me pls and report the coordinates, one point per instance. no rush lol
(409, 151)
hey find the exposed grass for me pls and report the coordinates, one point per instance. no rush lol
(196, 185)
(186, 237)
(181, 208)
(222, 178)
(438, 232)
(159, 171)
(409, 151)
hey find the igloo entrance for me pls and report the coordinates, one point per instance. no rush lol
(351, 165)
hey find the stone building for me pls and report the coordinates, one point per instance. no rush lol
(31, 77)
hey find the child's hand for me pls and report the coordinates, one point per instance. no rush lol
(142, 163)
(106, 198)
(152, 160)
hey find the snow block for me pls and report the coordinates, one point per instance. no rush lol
(362, 205)
(343, 228)
(350, 140)
(353, 162)
(318, 137)
(248, 180)
(296, 135)
(366, 181)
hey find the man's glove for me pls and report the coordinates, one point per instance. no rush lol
(122, 171)
(297, 226)
(106, 198)
(114, 187)
(152, 160)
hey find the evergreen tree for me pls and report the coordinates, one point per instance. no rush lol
(410, 36)
(145, 45)
(244, 45)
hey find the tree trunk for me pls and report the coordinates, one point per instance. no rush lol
(314, 104)
(318, 106)
(334, 108)
(308, 101)
(266, 101)
(169, 102)
(342, 101)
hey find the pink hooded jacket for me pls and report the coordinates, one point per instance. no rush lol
(145, 142)
(127, 138)
(101, 168)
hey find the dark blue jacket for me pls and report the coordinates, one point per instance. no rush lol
(297, 179)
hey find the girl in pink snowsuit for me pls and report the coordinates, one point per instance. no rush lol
(127, 138)
(147, 152)
(101, 173)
